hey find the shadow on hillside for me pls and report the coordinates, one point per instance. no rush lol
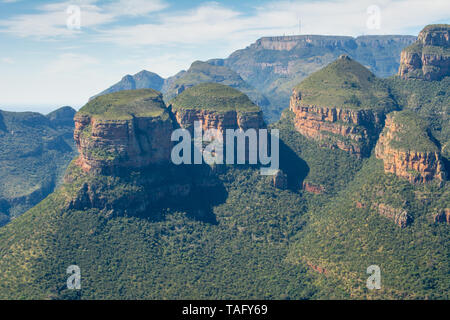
(293, 166)
(446, 167)
(192, 189)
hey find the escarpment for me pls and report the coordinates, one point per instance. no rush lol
(122, 130)
(407, 151)
(429, 57)
(217, 107)
(342, 106)
(124, 166)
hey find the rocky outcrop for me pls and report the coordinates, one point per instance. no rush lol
(442, 216)
(219, 120)
(353, 131)
(403, 161)
(279, 180)
(428, 58)
(313, 188)
(399, 216)
(107, 145)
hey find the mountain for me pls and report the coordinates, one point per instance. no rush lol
(140, 228)
(363, 182)
(408, 150)
(429, 57)
(342, 106)
(142, 80)
(274, 65)
(217, 106)
(202, 72)
(34, 152)
(267, 70)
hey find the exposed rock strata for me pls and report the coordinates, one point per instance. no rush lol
(429, 57)
(399, 216)
(354, 131)
(416, 166)
(107, 145)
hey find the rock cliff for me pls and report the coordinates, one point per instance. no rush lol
(123, 129)
(429, 57)
(341, 106)
(217, 106)
(407, 150)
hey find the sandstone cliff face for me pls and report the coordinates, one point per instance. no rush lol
(219, 120)
(442, 216)
(108, 145)
(353, 131)
(429, 57)
(399, 216)
(416, 166)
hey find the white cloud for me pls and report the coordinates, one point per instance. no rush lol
(214, 22)
(7, 60)
(51, 21)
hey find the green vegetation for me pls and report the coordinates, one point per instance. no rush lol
(345, 239)
(345, 84)
(124, 105)
(241, 255)
(34, 153)
(413, 133)
(213, 97)
(204, 72)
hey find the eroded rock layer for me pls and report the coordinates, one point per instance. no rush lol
(354, 131)
(418, 162)
(429, 57)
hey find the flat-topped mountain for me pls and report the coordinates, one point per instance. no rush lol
(342, 106)
(123, 129)
(429, 57)
(217, 106)
(274, 65)
(407, 150)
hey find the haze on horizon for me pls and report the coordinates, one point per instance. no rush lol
(46, 64)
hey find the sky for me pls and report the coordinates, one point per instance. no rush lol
(57, 53)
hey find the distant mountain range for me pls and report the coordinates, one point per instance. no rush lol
(268, 69)
(363, 181)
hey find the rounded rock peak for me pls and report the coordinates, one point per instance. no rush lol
(213, 97)
(125, 105)
(344, 57)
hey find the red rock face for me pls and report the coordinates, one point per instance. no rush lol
(348, 130)
(107, 145)
(442, 216)
(417, 167)
(400, 217)
(220, 120)
(419, 64)
(316, 189)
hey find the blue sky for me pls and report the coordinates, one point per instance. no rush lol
(46, 64)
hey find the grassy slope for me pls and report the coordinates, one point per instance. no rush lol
(345, 84)
(345, 240)
(242, 256)
(429, 100)
(413, 133)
